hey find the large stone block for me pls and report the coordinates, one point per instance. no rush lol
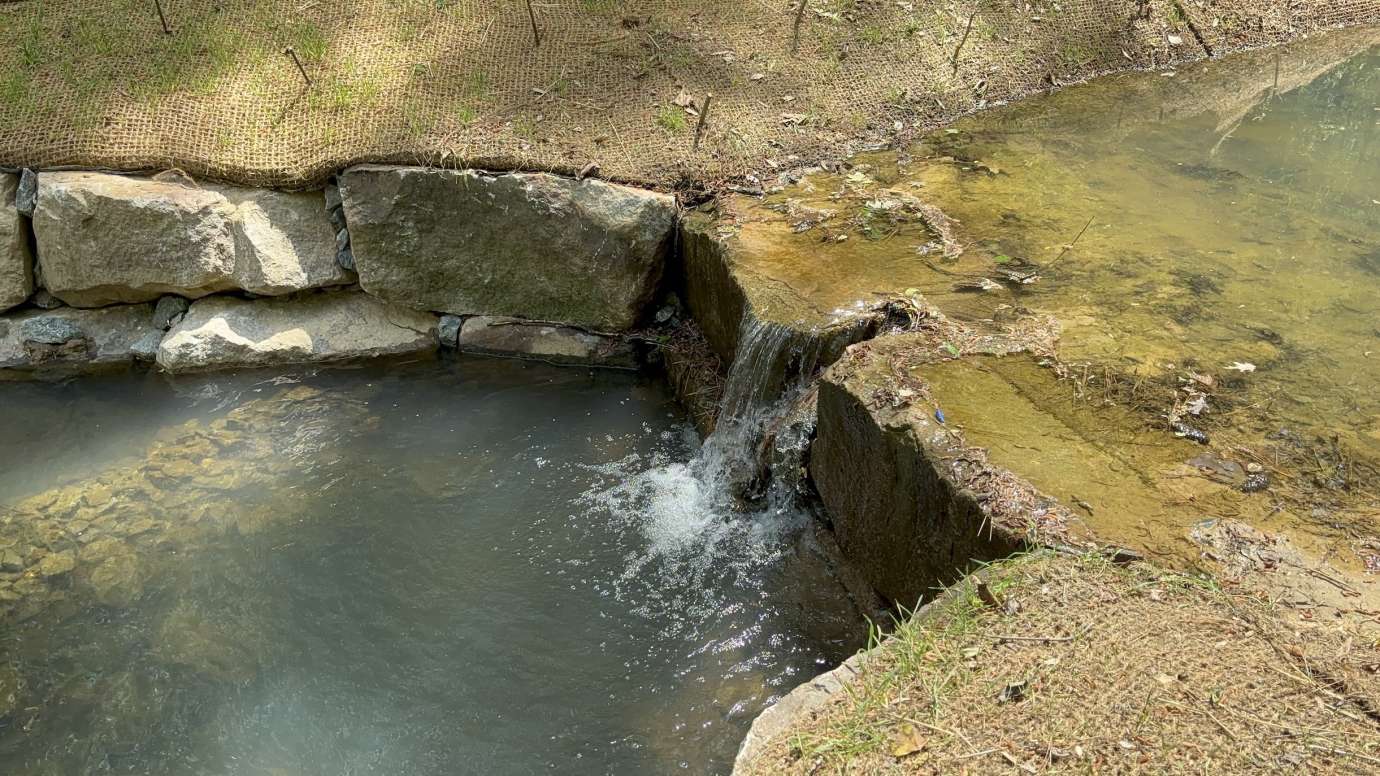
(16, 265)
(68, 340)
(104, 239)
(912, 505)
(539, 246)
(222, 332)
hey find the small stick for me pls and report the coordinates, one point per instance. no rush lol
(1041, 639)
(795, 30)
(290, 52)
(164, 19)
(964, 39)
(699, 128)
(1070, 245)
(536, 32)
(1276, 90)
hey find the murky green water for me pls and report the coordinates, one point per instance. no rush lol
(462, 567)
(1205, 242)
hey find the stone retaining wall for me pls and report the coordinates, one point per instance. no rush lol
(395, 261)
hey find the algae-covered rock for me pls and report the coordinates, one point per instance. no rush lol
(104, 239)
(223, 332)
(16, 265)
(540, 246)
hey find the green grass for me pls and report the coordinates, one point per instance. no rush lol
(672, 119)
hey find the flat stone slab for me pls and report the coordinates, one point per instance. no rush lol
(105, 239)
(225, 332)
(545, 342)
(69, 340)
(16, 265)
(528, 245)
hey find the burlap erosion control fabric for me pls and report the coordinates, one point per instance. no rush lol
(463, 82)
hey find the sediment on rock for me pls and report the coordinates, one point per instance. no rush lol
(528, 245)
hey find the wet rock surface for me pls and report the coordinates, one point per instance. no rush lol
(16, 264)
(517, 338)
(68, 340)
(537, 246)
(221, 332)
(912, 503)
(105, 239)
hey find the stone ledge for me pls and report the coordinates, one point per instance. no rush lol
(515, 338)
(70, 341)
(911, 501)
(224, 332)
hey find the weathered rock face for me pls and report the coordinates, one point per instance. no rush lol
(223, 332)
(588, 253)
(104, 239)
(560, 344)
(69, 340)
(912, 505)
(16, 266)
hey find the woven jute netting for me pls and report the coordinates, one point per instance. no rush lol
(98, 83)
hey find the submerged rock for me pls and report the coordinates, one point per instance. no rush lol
(16, 265)
(545, 342)
(104, 239)
(223, 332)
(532, 245)
(68, 340)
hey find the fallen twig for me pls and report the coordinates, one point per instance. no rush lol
(1069, 245)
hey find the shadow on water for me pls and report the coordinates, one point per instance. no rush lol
(476, 566)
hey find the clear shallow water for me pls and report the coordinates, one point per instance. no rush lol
(1204, 241)
(468, 567)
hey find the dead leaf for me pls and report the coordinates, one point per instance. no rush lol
(684, 99)
(907, 741)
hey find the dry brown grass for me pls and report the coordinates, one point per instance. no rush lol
(453, 82)
(1098, 668)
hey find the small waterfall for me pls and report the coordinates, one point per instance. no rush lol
(724, 510)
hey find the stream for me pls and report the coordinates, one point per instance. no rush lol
(471, 566)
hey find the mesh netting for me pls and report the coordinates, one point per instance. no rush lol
(617, 83)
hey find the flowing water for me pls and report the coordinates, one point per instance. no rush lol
(1204, 240)
(460, 567)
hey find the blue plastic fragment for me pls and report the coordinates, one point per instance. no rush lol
(939, 414)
